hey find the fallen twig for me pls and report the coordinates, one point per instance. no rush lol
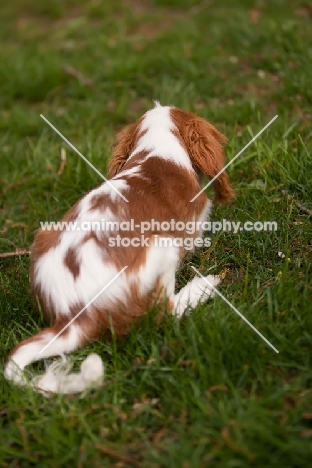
(266, 285)
(63, 161)
(299, 205)
(274, 188)
(77, 74)
(17, 253)
(14, 184)
(196, 9)
(117, 455)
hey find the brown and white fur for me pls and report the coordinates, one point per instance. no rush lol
(157, 164)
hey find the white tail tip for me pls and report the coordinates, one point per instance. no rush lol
(58, 378)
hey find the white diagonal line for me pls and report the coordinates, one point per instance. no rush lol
(235, 310)
(235, 157)
(82, 156)
(83, 309)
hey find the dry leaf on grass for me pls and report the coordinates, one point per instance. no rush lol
(145, 404)
(255, 15)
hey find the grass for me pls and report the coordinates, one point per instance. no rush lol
(206, 391)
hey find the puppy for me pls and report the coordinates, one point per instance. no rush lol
(89, 282)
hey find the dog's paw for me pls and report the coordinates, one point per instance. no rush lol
(195, 292)
(208, 285)
(202, 289)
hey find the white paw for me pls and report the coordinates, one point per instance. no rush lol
(195, 292)
(206, 285)
(59, 379)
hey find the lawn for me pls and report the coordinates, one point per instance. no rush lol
(206, 391)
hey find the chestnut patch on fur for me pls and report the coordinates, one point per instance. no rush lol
(71, 262)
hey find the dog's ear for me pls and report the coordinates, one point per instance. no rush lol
(204, 145)
(123, 146)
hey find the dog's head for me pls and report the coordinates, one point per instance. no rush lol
(201, 140)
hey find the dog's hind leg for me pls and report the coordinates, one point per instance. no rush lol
(197, 291)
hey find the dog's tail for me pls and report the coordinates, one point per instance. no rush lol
(57, 377)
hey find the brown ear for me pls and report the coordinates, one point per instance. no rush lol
(204, 144)
(123, 146)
